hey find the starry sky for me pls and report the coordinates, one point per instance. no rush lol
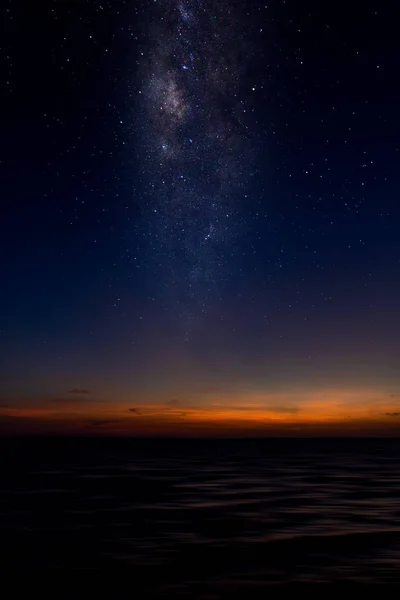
(200, 218)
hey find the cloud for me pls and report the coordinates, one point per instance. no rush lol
(104, 422)
(78, 391)
(173, 402)
(394, 396)
(136, 411)
(393, 414)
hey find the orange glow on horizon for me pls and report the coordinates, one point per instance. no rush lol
(327, 410)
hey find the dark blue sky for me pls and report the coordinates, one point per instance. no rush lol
(200, 202)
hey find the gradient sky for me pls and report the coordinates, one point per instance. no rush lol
(200, 218)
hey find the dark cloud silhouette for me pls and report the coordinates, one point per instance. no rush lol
(78, 391)
(393, 414)
(104, 422)
(136, 411)
(182, 423)
(394, 395)
(173, 402)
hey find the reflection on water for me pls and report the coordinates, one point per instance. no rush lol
(197, 518)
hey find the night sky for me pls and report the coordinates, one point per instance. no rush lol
(200, 217)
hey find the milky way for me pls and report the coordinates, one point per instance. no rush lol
(196, 145)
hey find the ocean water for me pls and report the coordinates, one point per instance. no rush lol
(202, 519)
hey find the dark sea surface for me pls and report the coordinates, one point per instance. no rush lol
(201, 519)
